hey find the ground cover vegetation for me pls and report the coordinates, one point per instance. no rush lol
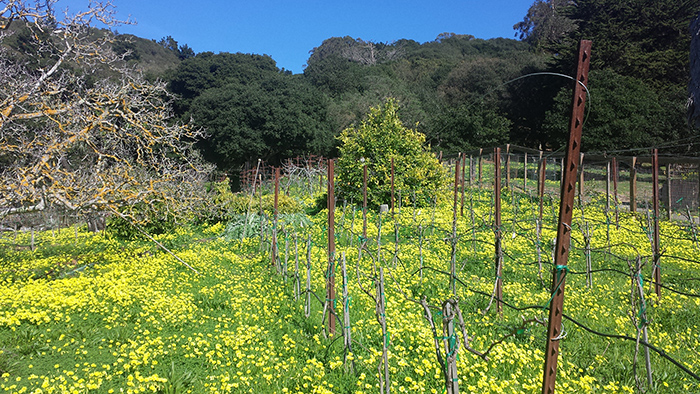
(86, 312)
(239, 306)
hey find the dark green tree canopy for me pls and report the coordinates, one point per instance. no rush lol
(250, 109)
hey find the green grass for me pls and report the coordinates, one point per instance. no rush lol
(137, 320)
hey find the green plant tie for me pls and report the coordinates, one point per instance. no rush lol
(559, 269)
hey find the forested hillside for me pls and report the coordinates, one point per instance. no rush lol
(460, 91)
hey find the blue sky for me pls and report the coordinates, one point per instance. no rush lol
(288, 30)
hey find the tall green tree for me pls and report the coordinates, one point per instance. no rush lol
(250, 109)
(625, 113)
(378, 139)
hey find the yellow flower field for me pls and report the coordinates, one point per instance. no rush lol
(93, 314)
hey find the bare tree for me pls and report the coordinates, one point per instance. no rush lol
(83, 146)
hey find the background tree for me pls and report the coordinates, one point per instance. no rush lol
(80, 146)
(250, 109)
(546, 23)
(624, 113)
(380, 137)
(694, 86)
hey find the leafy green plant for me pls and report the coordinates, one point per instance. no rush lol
(153, 218)
(380, 138)
(178, 381)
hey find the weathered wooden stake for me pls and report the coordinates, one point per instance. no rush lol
(307, 304)
(563, 242)
(330, 280)
(384, 384)
(392, 187)
(347, 337)
(525, 173)
(633, 185)
(615, 171)
(580, 181)
(669, 206)
(508, 166)
(607, 186)
(453, 240)
(275, 248)
(464, 168)
(656, 269)
(480, 165)
(497, 229)
(643, 323)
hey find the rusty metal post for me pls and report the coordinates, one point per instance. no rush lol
(655, 197)
(330, 280)
(497, 228)
(563, 243)
(633, 185)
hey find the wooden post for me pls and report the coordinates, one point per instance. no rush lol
(633, 185)
(330, 280)
(275, 248)
(508, 166)
(669, 206)
(563, 243)
(480, 164)
(540, 182)
(615, 170)
(347, 334)
(497, 229)
(364, 203)
(580, 181)
(655, 197)
(525, 174)
(607, 186)
(450, 348)
(453, 259)
(392, 187)
(471, 170)
(464, 170)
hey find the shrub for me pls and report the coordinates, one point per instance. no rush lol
(378, 139)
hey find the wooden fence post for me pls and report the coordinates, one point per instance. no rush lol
(480, 165)
(497, 229)
(669, 210)
(508, 166)
(633, 185)
(392, 187)
(453, 259)
(655, 196)
(580, 181)
(330, 280)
